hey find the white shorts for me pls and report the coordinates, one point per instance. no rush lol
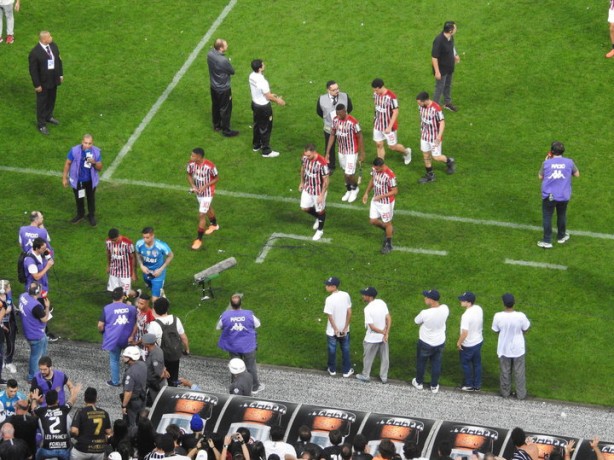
(379, 136)
(611, 16)
(204, 203)
(382, 211)
(347, 161)
(116, 281)
(311, 201)
(430, 147)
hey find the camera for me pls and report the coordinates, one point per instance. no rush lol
(47, 254)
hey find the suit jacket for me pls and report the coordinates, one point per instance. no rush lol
(39, 71)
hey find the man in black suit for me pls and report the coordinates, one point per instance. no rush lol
(47, 74)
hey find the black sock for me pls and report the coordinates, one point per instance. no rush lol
(429, 170)
(312, 212)
(388, 241)
(200, 234)
(321, 219)
(213, 221)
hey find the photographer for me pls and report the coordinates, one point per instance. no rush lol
(205, 449)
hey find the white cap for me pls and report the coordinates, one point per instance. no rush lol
(202, 455)
(132, 352)
(114, 456)
(236, 366)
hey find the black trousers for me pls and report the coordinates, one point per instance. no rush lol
(332, 160)
(45, 103)
(90, 195)
(221, 109)
(263, 125)
(173, 369)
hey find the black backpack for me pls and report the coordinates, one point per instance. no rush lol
(21, 270)
(171, 341)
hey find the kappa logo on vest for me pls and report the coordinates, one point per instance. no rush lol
(121, 320)
(238, 327)
(557, 175)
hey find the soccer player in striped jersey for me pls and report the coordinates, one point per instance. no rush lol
(384, 185)
(121, 262)
(154, 257)
(431, 129)
(385, 121)
(202, 176)
(346, 130)
(313, 187)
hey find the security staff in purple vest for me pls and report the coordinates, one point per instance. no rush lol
(238, 337)
(83, 163)
(556, 174)
(34, 317)
(50, 379)
(36, 229)
(37, 263)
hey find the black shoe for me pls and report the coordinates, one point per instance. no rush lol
(53, 121)
(111, 384)
(387, 248)
(217, 128)
(451, 107)
(428, 177)
(52, 337)
(92, 220)
(256, 148)
(43, 130)
(76, 219)
(451, 165)
(230, 133)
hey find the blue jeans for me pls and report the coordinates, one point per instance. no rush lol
(62, 454)
(471, 364)
(345, 353)
(114, 357)
(425, 352)
(548, 208)
(38, 348)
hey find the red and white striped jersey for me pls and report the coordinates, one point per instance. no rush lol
(121, 262)
(203, 174)
(612, 4)
(314, 172)
(346, 131)
(383, 182)
(430, 120)
(384, 106)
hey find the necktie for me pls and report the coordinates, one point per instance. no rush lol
(334, 101)
(49, 52)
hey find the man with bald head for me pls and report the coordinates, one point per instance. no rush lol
(11, 448)
(47, 74)
(81, 169)
(220, 70)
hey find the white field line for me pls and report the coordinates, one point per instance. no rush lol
(283, 199)
(527, 263)
(270, 242)
(169, 89)
(429, 252)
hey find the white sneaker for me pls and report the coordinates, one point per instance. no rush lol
(353, 195)
(348, 374)
(543, 244)
(11, 368)
(435, 390)
(346, 196)
(315, 225)
(564, 239)
(407, 156)
(318, 235)
(255, 391)
(273, 154)
(417, 385)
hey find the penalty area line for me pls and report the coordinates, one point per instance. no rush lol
(528, 263)
(270, 242)
(169, 89)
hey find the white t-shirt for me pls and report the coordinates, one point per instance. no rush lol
(32, 268)
(337, 304)
(511, 326)
(375, 313)
(433, 325)
(155, 329)
(280, 448)
(472, 321)
(259, 87)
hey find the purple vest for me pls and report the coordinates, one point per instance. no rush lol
(238, 331)
(557, 172)
(119, 320)
(33, 328)
(39, 265)
(29, 233)
(73, 173)
(57, 384)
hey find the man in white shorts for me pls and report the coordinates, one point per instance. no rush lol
(313, 187)
(121, 262)
(385, 123)
(202, 176)
(432, 126)
(611, 21)
(346, 131)
(384, 185)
